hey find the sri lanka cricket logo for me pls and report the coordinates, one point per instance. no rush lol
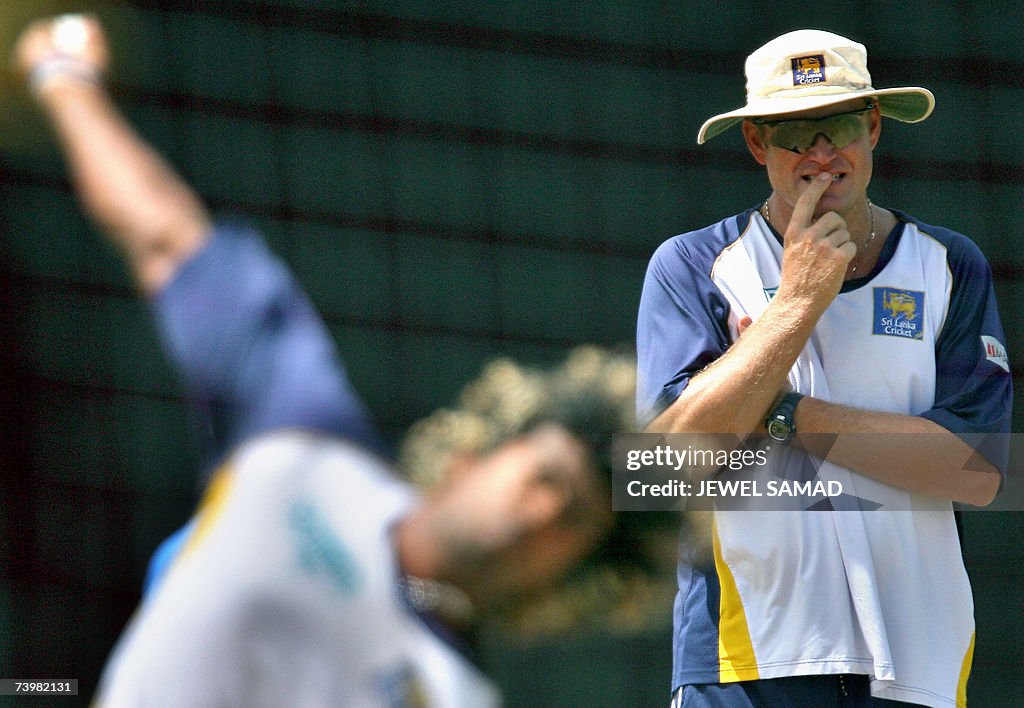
(899, 313)
(808, 70)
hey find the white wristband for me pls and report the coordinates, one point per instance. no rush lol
(60, 67)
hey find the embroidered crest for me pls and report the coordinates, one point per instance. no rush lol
(899, 313)
(809, 69)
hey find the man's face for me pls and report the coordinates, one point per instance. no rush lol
(795, 152)
(526, 513)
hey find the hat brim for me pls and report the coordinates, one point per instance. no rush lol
(910, 104)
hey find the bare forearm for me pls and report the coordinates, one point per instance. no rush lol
(734, 393)
(125, 186)
(144, 207)
(908, 452)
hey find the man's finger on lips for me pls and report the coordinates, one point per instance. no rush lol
(803, 213)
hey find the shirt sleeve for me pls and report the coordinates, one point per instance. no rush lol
(253, 352)
(682, 326)
(974, 388)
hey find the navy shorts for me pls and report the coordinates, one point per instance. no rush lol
(830, 691)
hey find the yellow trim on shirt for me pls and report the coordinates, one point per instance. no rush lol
(965, 673)
(210, 508)
(736, 659)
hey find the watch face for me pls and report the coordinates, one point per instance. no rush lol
(779, 430)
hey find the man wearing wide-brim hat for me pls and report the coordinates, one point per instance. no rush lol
(871, 342)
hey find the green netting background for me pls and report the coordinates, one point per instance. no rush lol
(450, 181)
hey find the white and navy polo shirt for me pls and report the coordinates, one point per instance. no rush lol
(795, 593)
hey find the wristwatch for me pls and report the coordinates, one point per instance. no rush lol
(779, 424)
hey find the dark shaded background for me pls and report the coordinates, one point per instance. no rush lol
(450, 182)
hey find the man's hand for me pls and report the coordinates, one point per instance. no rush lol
(143, 206)
(68, 48)
(815, 253)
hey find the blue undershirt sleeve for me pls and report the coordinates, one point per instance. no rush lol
(254, 354)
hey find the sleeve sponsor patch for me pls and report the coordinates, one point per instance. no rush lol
(995, 352)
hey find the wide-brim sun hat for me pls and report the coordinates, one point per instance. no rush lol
(809, 69)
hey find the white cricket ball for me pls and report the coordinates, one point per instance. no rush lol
(70, 33)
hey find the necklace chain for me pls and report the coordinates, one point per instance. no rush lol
(434, 596)
(871, 213)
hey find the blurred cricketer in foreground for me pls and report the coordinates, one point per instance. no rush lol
(310, 574)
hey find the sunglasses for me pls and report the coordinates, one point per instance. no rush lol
(798, 135)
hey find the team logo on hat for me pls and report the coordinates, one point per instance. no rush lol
(899, 313)
(809, 69)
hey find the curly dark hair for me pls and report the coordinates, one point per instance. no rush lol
(627, 583)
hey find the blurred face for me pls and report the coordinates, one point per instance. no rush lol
(517, 519)
(838, 139)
